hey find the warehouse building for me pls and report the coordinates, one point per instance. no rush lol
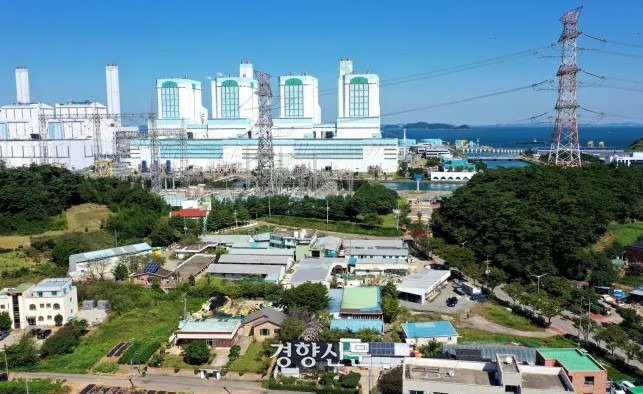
(422, 285)
(101, 263)
(314, 270)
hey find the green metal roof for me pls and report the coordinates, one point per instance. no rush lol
(362, 297)
(169, 84)
(359, 80)
(229, 82)
(636, 390)
(293, 81)
(572, 359)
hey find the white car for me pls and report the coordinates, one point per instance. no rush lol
(620, 387)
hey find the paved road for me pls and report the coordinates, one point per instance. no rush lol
(155, 382)
(567, 327)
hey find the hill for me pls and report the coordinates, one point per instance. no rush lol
(636, 146)
(428, 126)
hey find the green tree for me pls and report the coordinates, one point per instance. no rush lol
(513, 290)
(390, 308)
(494, 278)
(632, 351)
(310, 296)
(372, 219)
(474, 271)
(121, 272)
(66, 247)
(389, 290)
(431, 349)
(455, 255)
(369, 335)
(23, 354)
(234, 352)
(196, 353)
(58, 319)
(163, 234)
(291, 329)
(550, 308)
(5, 321)
(391, 382)
(615, 338)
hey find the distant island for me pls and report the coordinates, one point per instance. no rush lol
(427, 126)
(636, 146)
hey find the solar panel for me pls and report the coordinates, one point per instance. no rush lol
(151, 267)
(382, 348)
(489, 352)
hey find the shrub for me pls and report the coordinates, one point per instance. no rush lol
(351, 380)
(197, 353)
(5, 321)
(139, 352)
(62, 342)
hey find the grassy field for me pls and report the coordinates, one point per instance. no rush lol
(499, 314)
(12, 261)
(248, 362)
(39, 386)
(175, 362)
(470, 335)
(337, 226)
(155, 323)
(79, 217)
(624, 234)
(388, 220)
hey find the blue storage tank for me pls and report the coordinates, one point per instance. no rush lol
(331, 253)
(168, 166)
(144, 166)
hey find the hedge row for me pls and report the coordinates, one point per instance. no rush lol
(340, 227)
(139, 352)
(273, 385)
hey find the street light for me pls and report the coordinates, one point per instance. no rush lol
(538, 276)
(463, 243)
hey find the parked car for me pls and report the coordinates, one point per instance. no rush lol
(458, 290)
(43, 334)
(479, 297)
(35, 331)
(621, 387)
(452, 301)
(3, 335)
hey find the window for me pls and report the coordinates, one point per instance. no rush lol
(170, 100)
(42, 305)
(54, 293)
(511, 389)
(229, 99)
(1, 306)
(264, 332)
(48, 305)
(48, 317)
(56, 306)
(294, 98)
(32, 307)
(40, 318)
(589, 380)
(40, 294)
(416, 392)
(358, 97)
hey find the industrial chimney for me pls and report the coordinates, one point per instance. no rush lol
(22, 85)
(113, 90)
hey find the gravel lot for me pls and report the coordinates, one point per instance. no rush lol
(439, 304)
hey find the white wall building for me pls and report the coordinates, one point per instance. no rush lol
(358, 113)
(101, 263)
(38, 305)
(299, 97)
(180, 99)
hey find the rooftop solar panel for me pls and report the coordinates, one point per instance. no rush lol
(382, 348)
(151, 267)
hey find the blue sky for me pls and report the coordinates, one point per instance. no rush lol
(66, 44)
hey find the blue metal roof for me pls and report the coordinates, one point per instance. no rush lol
(335, 302)
(429, 329)
(354, 325)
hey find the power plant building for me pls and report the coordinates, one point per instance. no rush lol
(225, 139)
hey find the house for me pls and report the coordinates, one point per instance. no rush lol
(195, 266)
(102, 262)
(289, 239)
(263, 324)
(355, 325)
(189, 250)
(326, 247)
(218, 333)
(391, 243)
(420, 334)
(261, 252)
(151, 271)
(585, 373)
(375, 354)
(422, 285)
(505, 375)
(487, 353)
(190, 213)
(634, 253)
(256, 259)
(362, 302)
(314, 270)
(32, 305)
(378, 261)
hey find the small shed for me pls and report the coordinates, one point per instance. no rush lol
(103, 305)
(88, 304)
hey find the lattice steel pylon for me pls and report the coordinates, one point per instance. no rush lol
(265, 152)
(565, 144)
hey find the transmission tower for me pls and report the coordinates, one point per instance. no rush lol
(265, 153)
(155, 155)
(565, 144)
(43, 135)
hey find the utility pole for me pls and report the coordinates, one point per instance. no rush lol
(327, 210)
(565, 146)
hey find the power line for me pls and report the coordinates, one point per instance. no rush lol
(623, 54)
(606, 41)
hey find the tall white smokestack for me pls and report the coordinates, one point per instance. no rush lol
(113, 90)
(22, 85)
